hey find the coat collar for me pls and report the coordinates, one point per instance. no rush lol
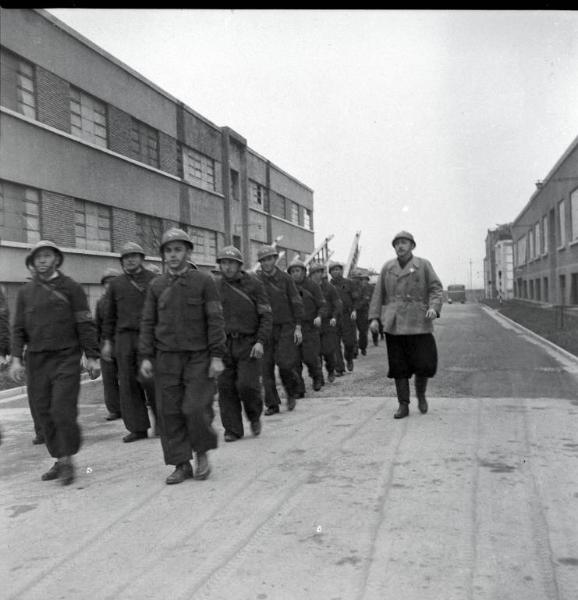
(413, 265)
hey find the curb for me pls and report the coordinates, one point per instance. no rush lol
(14, 393)
(568, 355)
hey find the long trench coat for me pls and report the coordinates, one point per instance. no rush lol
(403, 295)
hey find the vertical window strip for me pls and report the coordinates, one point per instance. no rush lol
(198, 168)
(88, 118)
(574, 214)
(92, 224)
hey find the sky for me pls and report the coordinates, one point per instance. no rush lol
(436, 122)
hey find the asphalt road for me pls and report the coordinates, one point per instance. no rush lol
(478, 499)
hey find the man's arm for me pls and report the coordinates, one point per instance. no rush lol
(295, 300)
(377, 297)
(85, 326)
(435, 289)
(264, 312)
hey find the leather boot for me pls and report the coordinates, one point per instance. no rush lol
(181, 472)
(402, 389)
(420, 388)
(203, 469)
(66, 470)
(52, 473)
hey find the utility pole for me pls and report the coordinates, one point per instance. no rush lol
(471, 283)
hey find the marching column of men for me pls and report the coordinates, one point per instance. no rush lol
(174, 340)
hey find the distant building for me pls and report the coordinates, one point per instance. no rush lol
(504, 269)
(494, 276)
(92, 154)
(545, 237)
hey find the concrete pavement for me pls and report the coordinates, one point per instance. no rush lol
(475, 500)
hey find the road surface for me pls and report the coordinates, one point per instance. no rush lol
(477, 500)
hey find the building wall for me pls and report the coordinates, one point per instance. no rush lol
(546, 266)
(135, 168)
(504, 269)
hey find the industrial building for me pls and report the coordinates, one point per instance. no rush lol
(545, 237)
(92, 155)
(498, 263)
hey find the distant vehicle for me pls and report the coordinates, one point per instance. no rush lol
(456, 293)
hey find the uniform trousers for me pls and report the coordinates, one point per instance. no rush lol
(362, 324)
(280, 350)
(109, 372)
(53, 387)
(409, 354)
(308, 352)
(185, 394)
(239, 385)
(329, 341)
(133, 393)
(346, 334)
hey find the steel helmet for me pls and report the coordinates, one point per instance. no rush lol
(267, 251)
(403, 235)
(109, 274)
(316, 267)
(296, 262)
(176, 235)
(131, 248)
(29, 260)
(334, 264)
(230, 253)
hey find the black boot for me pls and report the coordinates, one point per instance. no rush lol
(402, 389)
(420, 388)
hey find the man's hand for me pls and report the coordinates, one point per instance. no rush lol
(93, 367)
(354, 315)
(431, 314)
(317, 321)
(374, 325)
(332, 322)
(297, 336)
(106, 352)
(17, 370)
(146, 368)
(257, 350)
(216, 367)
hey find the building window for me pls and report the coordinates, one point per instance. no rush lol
(521, 251)
(19, 213)
(531, 289)
(538, 291)
(562, 283)
(307, 219)
(278, 205)
(545, 234)
(144, 144)
(18, 84)
(574, 215)
(561, 224)
(87, 118)
(204, 245)
(149, 233)
(235, 194)
(531, 245)
(537, 240)
(92, 226)
(574, 288)
(294, 216)
(546, 290)
(258, 195)
(198, 169)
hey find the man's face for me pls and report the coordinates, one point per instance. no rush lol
(176, 254)
(317, 277)
(45, 261)
(403, 247)
(336, 272)
(297, 273)
(229, 268)
(131, 263)
(268, 263)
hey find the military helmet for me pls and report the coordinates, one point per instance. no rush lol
(403, 235)
(296, 262)
(230, 253)
(131, 248)
(334, 264)
(267, 251)
(317, 266)
(109, 274)
(175, 235)
(29, 260)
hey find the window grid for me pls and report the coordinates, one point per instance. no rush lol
(561, 223)
(545, 234)
(92, 224)
(307, 219)
(145, 143)
(31, 215)
(204, 245)
(25, 89)
(198, 169)
(258, 195)
(294, 213)
(88, 118)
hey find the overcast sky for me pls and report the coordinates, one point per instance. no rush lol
(439, 122)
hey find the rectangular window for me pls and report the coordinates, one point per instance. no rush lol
(144, 144)
(561, 224)
(562, 283)
(258, 195)
(204, 245)
(574, 215)
(538, 291)
(546, 290)
(537, 243)
(574, 288)
(149, 233)
(19, 213)
(307, 220)
(87, 118)
(522, 251)
(294, 216)
(531, 289)
(198, 168)
(531, 245)
(545, 234)
(92, 226)
(17, 89)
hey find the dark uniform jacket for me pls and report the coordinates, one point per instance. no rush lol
(4, 326)
(125, 300)
(348, 292)
(182, 313)
(246, 306)
(365, 293)
(53, 315)
(314, 304)
(285, 300)
(334, 304)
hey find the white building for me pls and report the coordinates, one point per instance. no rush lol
(504, 269)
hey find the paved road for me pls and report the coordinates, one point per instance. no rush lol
(476, 500)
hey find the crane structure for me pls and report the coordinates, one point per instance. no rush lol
(353, 255)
